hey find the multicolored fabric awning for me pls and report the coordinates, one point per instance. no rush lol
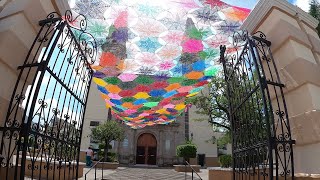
(155, 54)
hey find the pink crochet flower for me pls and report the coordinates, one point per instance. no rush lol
(192, 46)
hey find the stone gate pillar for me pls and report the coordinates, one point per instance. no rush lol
(296, 50)
(18, 28)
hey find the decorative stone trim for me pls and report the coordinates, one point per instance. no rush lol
(263, 7)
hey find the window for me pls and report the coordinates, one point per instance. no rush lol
(94, 123)
(125, 143)
(167, 144)
(112, 144)
(92, 140)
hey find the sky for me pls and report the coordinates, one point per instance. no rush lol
(303, 4)
(57, 96)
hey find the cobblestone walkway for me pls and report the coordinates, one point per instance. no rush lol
(124, 173)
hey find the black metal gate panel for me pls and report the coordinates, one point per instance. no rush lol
(41, 136)
(261, 137)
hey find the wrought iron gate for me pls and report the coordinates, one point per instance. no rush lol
(41, 136)
(261, 138)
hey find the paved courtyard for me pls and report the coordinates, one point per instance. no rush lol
(143, 173)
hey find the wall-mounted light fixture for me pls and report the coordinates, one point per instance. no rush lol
(191, 136)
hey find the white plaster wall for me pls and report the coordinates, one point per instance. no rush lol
(96, 111)
(202, 131)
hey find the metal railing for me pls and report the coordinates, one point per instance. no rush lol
(95, 170)
(186, 163)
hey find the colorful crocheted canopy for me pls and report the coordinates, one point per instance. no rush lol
(155, 54)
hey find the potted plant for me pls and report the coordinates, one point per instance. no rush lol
(225, 161)
(105, 133)
(187, 151)
(111, 156)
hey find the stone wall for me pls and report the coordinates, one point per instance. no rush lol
(167, 136)
(296, 50)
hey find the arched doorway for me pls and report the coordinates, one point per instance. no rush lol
(146, 149)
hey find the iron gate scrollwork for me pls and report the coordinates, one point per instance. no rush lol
(261, 137)
(41, 136)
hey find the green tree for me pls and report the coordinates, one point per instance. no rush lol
(107, 132)
(213, 105)
(314, 11)
(226, 139)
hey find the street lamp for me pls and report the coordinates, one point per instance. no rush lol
(191, 136)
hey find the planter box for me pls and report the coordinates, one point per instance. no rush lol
(226, 174)
(10, 174)
(106, 165)
(53, 172)
(220, 173)
(183, 168)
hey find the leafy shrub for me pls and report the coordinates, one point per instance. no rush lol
(112, 157)
(187, 151)
(225, 160)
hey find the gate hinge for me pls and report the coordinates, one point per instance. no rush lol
(28, 65)
(42, 65)
(275, 84)
(264, 82)
(266, 42)
(49, 20)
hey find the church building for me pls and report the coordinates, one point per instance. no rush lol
(152, 145)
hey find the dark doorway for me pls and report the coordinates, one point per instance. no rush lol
(146, 149)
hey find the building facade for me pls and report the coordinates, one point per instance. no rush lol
(155, 145)
(296, 46)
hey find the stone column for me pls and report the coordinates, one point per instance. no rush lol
(133, 145)
(18, 28)
(296, 50)
(160, 148)
(174, 159)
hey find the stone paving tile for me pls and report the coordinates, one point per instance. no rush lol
(141, 173)
(147, 174)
